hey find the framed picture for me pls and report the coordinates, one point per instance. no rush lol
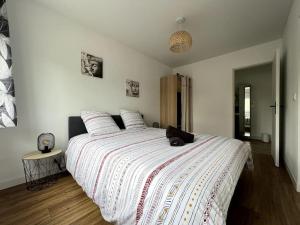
(132, 88)
(91, 65)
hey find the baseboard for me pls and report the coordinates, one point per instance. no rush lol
(11, 182)
(296, 185)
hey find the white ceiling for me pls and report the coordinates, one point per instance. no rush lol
(217, 26)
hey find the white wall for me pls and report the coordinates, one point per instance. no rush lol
(291, 48)
(213, 86)
(260, 79)
(50, 87)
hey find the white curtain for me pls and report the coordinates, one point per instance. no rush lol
(186, 122)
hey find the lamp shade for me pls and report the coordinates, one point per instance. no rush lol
(180, 41)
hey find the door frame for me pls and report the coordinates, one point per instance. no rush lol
(234, 70)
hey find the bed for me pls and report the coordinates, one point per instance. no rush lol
(136, 177)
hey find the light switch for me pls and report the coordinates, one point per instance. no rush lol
(295, 97)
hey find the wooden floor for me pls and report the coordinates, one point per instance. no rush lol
(263, 197)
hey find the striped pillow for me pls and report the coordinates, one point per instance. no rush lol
(98, 123)
(132, 120)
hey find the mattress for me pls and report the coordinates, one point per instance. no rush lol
(136, 177)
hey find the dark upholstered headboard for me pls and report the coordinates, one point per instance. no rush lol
(77, 127)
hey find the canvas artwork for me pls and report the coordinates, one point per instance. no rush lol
(91, 65)
(132, 88)
(8, 115)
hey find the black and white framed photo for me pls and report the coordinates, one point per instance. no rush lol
(91, 65)
(8, 115)
(132, 88)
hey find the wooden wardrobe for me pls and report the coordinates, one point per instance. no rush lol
(170, 101)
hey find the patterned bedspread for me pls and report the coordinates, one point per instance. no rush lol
(136, 177)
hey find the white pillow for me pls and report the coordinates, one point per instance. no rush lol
(98, 123)
(132, 119)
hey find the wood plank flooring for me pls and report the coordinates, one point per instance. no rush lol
(61, 203)
(263, 197)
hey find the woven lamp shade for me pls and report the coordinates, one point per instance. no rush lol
(180, 41)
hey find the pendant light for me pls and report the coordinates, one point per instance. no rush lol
(180, 41)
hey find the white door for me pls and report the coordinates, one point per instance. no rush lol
(276, 108)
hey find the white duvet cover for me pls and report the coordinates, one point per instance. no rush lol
(136, 177)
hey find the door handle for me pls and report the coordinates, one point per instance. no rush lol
(274, 106)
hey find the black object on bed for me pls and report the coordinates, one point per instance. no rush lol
(175, 132)
(77, 127)
(176, 141)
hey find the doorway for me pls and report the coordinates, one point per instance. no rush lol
(253, 98)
